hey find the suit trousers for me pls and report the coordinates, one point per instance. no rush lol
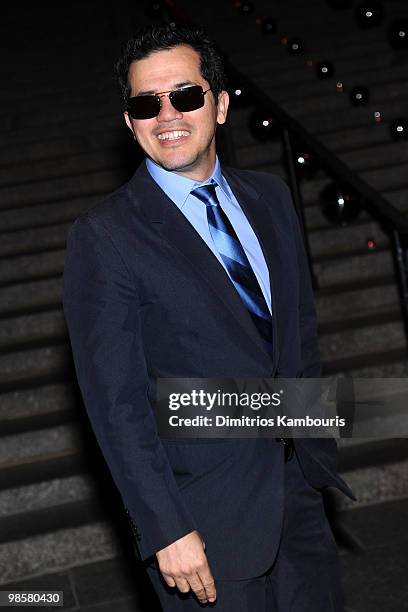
(304, 576)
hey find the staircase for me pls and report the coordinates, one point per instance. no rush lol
(361, 330)
(64, 146)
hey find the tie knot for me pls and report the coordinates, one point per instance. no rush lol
(206, 193)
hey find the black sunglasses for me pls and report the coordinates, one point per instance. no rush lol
(183, 100)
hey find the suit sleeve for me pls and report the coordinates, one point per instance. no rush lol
(102, 311)
(307, 314)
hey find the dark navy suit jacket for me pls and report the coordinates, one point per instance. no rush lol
(145, 298)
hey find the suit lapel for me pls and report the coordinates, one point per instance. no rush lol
(257, 213)
(178, 231)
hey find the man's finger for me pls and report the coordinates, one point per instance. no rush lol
(208, 583)
(169, 580)
(198, 588)
(182, 585)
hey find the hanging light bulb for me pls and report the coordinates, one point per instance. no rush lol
(325, 69)
(306, 162)
(369, 14)
(239, 95)
(262, 124)
(294, 46)
(268, 25)
(399, 128)
(245, 8)
(398, 34)
(359, 96)
(340, 204)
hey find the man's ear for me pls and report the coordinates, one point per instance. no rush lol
(222, 107)
(128, 122)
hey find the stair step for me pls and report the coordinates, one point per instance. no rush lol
(361, 158)
(317, 95)
(64, 147)
(320, 123)
(362, 320)
(38, 408)
(38, 496)
(80, 164)
(38, 455)
(382, 91)
(50, 237)
(63, 129)
(351, 269)
(387, 363)
(61, 95)
(30, 296)
(58, 550)
(375, 485)
(42, 215)
(40, 192)
(257, 153)
(342, 305)
(32, 330)
(399, 198)
(60, 114)
(380, 156)
(377, 57)
(51, 518)
(337, 241)
(28, 368)
(382, 179)
(370, 339)
(339, 139)
(30, 267)
(345, 119)
(39, 468)
(316, 220)
(24, 446)
(395, 368)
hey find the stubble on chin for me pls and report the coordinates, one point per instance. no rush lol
(178, 165)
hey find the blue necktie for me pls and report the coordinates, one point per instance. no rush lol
(236, 262)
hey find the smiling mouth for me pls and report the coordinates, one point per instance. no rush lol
(173, 135)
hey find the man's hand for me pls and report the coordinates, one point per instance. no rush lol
(184, 564)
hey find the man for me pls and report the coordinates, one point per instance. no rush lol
(194, 271)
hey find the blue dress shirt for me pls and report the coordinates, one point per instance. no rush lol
(178, 188)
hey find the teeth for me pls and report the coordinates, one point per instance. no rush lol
(173, 135)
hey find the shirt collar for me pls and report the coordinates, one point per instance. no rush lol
(178, 187)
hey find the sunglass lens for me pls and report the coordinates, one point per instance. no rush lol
(144, 107)
(187, 99)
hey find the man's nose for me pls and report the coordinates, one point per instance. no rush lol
(167, 111)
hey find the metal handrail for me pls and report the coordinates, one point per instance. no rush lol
(394, 220)
(327, 158)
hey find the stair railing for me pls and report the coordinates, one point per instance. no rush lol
(394, 222)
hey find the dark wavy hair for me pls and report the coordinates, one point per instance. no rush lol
(160, 37)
